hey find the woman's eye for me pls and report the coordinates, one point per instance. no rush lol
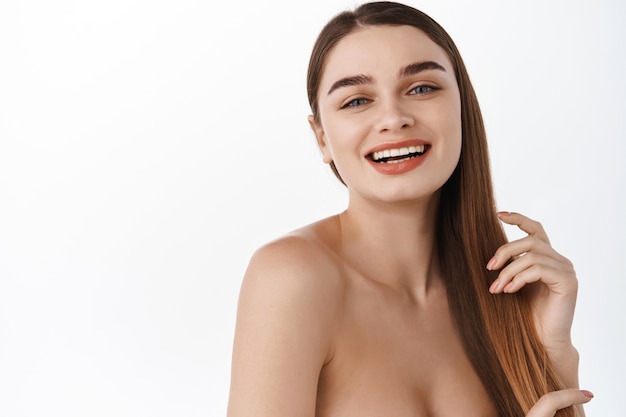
(355, 103)
(423, 89)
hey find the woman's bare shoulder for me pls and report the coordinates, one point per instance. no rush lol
(297, 273)
(286, 321)
(306, 254)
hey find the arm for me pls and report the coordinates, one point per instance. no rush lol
(283, 331)
(553, 286)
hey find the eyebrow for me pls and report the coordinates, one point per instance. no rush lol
(407, 71)
(352, 80)
(418, 67)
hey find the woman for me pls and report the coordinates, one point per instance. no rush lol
(410, 302)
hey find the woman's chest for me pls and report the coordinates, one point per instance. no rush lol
(387, 363)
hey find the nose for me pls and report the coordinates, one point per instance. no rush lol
(393, 116)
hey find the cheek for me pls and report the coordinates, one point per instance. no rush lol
(449, 126)
(342, 137)
(445, 113)
(454, 125)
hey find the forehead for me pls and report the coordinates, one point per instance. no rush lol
(381, 48)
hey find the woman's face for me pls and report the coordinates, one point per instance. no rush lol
(389, 113)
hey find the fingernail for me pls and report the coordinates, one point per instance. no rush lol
(503, 213)
(493, 287)
(491, 263)
(586, 394)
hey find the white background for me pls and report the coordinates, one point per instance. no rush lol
(148, 147)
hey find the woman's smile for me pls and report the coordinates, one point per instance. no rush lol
(398, 158)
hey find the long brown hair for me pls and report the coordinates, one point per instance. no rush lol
(497, 331)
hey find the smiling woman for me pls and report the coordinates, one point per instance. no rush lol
(422, 95)
(146, 151)
(411, 302)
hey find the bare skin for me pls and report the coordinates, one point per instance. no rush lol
(383, 347)
(324, 336)
(395, 350)
(349, 316)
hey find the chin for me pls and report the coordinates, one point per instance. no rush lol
(402, 196)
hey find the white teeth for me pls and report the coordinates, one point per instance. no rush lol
(388, 153)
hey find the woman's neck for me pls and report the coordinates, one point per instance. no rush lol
(393, 242)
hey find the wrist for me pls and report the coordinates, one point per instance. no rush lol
(564, 360)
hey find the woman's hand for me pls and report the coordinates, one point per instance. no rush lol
(549, 404)
(550, 277)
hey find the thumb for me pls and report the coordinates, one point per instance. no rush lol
(550, 403)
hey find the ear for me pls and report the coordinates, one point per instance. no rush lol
(320, 136)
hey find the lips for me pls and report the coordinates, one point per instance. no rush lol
(398, 157)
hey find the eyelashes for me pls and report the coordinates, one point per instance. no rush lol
(420, 90)
(423, 89)
(357, 102)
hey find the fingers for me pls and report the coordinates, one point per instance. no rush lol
(550, 278)
(519, 247)
(527, 224)
(533, 260)
(550, 403)
(527, 269)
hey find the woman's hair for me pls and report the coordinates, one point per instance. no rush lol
(510, 361)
